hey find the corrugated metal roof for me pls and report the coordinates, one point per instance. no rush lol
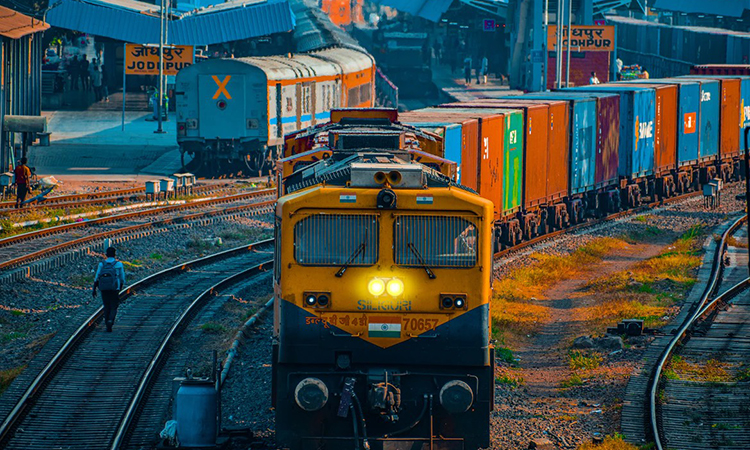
(138, 22)
(15, 25)
(729, 8)
(427, 9)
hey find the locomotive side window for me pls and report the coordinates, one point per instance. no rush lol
(435, 241)
(337, 239)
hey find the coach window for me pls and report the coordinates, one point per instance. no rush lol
(435, 241)
(337, 239)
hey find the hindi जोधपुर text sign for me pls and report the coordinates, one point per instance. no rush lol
(144, 60)
(585, 38)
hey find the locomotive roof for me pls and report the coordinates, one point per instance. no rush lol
(337, 169)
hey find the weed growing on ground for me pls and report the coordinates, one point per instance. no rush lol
(711, 371)
(82, 279)
(7, 376)
(213, 327)
(512, 309)
(615, 442)
(13, 335)
(156, 256)
(505, 355)
(579, 360)
(16, 312)
(573, 381)
(510, 378)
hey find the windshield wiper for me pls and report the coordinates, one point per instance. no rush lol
(424, 265)
(360, 249)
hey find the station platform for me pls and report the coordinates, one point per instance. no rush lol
(93, 145)
(454, 86)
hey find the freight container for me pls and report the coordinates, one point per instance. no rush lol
(460, 140)
(581, 160)
(637, 111)
(536, 151)
(718, 97)
(665, 126)
(500, 158)
(744, 107)
(688, 117)
(708, 130)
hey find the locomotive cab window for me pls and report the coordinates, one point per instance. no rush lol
(435, 241)
(337, 239)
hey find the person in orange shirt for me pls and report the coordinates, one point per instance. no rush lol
(23, 177)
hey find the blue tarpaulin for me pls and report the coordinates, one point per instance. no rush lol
(138, 22)
(427, 9)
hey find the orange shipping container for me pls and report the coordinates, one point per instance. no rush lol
(729, 145)
(665, 127)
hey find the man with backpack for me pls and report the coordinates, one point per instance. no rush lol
(110, 279)
(23, 178)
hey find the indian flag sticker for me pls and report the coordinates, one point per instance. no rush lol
(384, 327)
(347, 198)
(426, 200)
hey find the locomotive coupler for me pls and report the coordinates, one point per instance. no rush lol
(384, 398)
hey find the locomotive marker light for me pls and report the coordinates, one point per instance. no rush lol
(310, 299)
(376, 286)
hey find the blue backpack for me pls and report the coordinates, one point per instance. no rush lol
(108, 277)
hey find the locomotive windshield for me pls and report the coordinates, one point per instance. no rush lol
(435, 241)
(337, 239)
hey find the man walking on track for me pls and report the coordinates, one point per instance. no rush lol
(23, 176)
(110, 279)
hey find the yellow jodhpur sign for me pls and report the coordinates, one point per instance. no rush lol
(585, 38)
(143, 60)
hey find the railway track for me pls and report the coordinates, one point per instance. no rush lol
(92, 390)
(678, 409)
(115, 197)
(24, 248)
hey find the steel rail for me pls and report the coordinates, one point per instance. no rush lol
(128, 215)
(153, 367)
(70, 344)
(88, 196)
(704, 305)
(105, 234)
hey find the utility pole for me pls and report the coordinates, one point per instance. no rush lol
(570, 34)
(558, 50)
(161, 67)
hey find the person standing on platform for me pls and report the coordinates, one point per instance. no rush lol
(482, 71)
(96, 81)
(84, 71)
(74, 71)
(644, 73)
(110, 279)
(467, 70)
(105, 85)
(593, 79)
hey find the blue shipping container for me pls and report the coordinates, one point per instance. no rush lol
(451, 134)
(582, 137)
(637, 113)
(709, 130)
(688, 100)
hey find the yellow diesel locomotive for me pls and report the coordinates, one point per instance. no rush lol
(382, 281)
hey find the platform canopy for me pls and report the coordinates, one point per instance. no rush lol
(15, 25)
(138, 22)
(427, 9)
(726, 8)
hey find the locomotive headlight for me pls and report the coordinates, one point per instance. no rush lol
(395, 287)
(310, 299)
(376, 286)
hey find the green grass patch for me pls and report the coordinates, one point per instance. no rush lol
(213, 327)
(7, 376)
(572, 381)
(510, 380)
(12, 336)
(156, 256)
(505, 355)
(513, 313)
(710, 371)
(16, 312)
(82, 279)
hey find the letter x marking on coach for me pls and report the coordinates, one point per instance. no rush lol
(222, 87)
